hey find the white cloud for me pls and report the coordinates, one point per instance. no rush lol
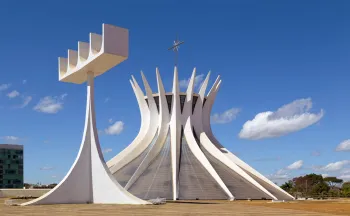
(50, 104)
(115, 128)
(24, 81)
(13, 94)
(26, 101)
(345, 171)
(10, 138)
(289, 118)
(345, 174)
(344, 146)
(282, 174)
(197, 81)
(225, 117)
(110, 120)
(345, 177)
(47, 168)
(325, 175)
(279, 175)
(105, 151)
(4, 86)
(336, 166)
(296, 165)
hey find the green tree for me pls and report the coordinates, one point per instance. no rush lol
(52, 185)
(346, 189)
(310, 185)
(320, 188)
(27, 185)
(288, 186)
(333, 181)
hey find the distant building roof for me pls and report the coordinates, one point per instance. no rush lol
(11, 146)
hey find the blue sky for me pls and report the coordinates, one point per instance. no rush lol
(290, 56)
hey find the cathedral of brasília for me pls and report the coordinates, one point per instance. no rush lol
(175, 154)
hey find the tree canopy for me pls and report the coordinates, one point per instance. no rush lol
(333, 181)
(314, 185)
(346, 189)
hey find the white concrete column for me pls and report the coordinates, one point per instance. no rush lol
(89, 179)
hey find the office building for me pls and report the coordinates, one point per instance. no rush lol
(11, 166)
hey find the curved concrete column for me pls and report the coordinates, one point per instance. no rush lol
(162, 132)
(175, 133)
(145, 119)
(207, 107)
(197, 152)
(88, 180)
(197, 114)
(219, 165)
(187, 108)
(211, 148)
(251, 170)
(207, 136)
(192, 143)
(147, 131)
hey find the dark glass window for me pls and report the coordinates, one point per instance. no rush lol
(19, 152)
(194, 101)
(10, 171)
(156, 99)
(17, 181)
(169, 99)
(182, 102)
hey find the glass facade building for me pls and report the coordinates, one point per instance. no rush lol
(11, 166)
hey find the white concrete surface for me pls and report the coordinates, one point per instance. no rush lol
(195, 123)
(99, 55)
(89, 180)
